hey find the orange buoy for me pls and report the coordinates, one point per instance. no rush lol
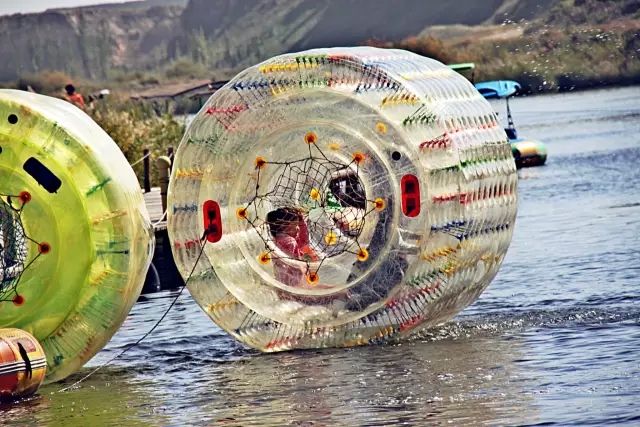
(23, 364)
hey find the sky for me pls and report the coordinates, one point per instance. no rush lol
(28, 6)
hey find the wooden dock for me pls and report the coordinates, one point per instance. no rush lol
(153, 201)
(163, 261)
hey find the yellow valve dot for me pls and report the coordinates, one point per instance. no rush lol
(331, 239)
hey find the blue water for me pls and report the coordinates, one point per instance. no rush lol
(553, 341)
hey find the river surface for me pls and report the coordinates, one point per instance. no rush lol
(554, 341)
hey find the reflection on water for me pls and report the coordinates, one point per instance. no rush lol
(554, 340)
(453, 380)
(108, 398)
(460, 380)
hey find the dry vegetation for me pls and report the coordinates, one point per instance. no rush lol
(544, 59)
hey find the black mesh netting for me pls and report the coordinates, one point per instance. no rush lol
(316, 208)
(13, 246)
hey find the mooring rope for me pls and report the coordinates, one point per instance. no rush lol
(155, 224)
(141, 159)
(203, 244)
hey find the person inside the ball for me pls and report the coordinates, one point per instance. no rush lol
(290, 234)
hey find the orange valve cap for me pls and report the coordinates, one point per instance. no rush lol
(264, 258)
(363, 255)
(313, 278)
(358, 158)
(310, 138)
(242, 213)
(260, 162)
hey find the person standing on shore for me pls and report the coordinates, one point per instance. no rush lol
(73, 97)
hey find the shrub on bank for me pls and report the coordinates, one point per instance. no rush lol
(187, 69)
(134, 127)
(544, 60)
(47, 82)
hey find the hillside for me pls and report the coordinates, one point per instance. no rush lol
(93, 42)
(141, 4)
(592, 12)
(88, 42)
(241, 33)
(148, 42)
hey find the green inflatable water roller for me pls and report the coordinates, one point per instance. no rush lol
(76, 238)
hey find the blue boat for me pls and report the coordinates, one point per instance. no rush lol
(526, 152)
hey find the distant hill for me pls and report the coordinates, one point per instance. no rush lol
(141, 4)
(581, 12)
(100, 42)
(240, 33)
(88, 42)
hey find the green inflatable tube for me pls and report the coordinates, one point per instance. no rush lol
(529, 153)
(76, 237)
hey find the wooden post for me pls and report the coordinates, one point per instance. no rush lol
(170, 154)
(147, 173)
(163, 164)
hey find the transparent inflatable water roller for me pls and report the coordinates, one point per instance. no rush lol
(340, 197)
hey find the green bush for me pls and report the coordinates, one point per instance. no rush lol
(136, 78)
(134, 127)
(185, 68)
